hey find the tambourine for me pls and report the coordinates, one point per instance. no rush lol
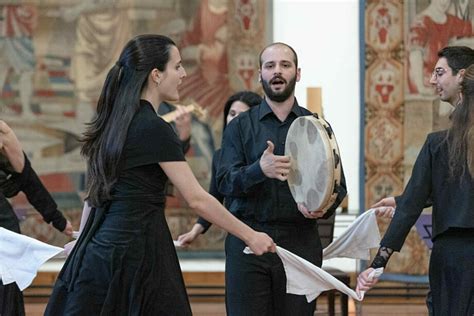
(315, 172)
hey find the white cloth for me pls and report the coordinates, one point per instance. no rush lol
(304, 278)
(21, 257)
(356, 242)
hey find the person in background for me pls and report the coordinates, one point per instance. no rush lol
(445, 78)
(236, 104)
(253, 172)
(17, 175)
(444, 173)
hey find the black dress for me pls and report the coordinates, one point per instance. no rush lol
(124, 262)
(11, 183)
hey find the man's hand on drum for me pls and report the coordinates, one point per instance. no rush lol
(274, 166)
(385, 207)
(308, 214)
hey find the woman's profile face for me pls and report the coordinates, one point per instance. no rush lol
(235, 109)
(172, 77)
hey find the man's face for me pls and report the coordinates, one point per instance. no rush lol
(445, 82)
(279, 73)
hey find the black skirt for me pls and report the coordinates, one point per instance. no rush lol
(452, 273)
(11, 300)
(124, 263)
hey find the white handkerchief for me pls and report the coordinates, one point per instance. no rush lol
(357, 240)
(304, 278)
(21, 257)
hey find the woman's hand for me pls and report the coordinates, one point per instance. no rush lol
(364, 283)
(261, 243)
(186, 239)
(68, 229)
(385, 207)
(388, 201)
(384, 211)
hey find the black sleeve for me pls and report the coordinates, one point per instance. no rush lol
(381, 258)
(412, 201)
(205, 224)
(212, 189)
(235, 176)
(29, 182)
(151, 141)
(429, 202)
(8, 186)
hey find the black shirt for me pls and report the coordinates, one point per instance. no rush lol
(453, 199)
(254, 196)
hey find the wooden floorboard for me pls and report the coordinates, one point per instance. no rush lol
(206, 290)
(366, 309)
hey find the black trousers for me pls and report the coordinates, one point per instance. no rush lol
(256, 285)
(452, 273)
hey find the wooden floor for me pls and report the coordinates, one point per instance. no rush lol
(206, 292)
(218, 309)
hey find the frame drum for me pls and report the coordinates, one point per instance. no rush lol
(315, 172)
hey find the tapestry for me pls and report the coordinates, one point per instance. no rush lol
(55, 55)
(402, 39)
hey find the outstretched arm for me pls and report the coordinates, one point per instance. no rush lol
(24, 178)
(208, 207)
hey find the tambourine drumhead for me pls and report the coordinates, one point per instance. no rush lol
(315, 168)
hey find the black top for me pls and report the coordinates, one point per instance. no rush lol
(11, 183)
(254, 196)
(453, 200)
(149, 140)
(213, 188)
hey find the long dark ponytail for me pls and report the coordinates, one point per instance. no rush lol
(119, 100)
(460, 136)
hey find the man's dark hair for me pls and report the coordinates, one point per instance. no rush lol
(295, 59)
(458, 57)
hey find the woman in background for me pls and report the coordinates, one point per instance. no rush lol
(236, 104)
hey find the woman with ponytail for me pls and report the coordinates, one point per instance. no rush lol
(124, 262)
(443, 170)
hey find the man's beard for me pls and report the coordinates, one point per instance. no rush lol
(279, 96)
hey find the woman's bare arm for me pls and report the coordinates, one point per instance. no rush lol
(207, 206)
